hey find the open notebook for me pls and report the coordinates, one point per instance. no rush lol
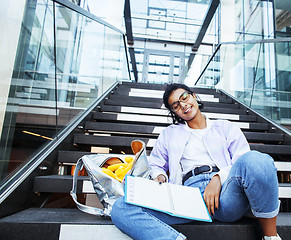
(176, 200)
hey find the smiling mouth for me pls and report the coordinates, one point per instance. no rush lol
(187, 110)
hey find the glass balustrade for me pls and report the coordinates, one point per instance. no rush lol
(64, 62)
(257, 74)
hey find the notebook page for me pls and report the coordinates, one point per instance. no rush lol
(147, 193)
(188, 202)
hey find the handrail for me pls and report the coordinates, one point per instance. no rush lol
(288, 39)
(283, 129)
(209, 61)
(87, 14)
(269, 40)
(31, 165)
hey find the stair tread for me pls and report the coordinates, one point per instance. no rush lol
(162, 120)
(49, 223)
(70, 156)
(164, 111)
(159, 93)
(272, 149)
(54, 215)
(126, 140)
(157, 103)
(57, 183)
(122, 97)
(68, 215)
(161, 87)
(152, 129)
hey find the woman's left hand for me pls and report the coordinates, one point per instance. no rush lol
(211, 194)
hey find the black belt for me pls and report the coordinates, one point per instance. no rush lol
(199, 170)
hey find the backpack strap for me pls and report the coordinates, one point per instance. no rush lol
(82, 207)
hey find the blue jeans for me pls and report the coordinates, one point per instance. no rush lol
(251, 184)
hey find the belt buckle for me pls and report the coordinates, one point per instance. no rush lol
(210, 170)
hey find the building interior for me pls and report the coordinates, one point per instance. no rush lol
(62, 60)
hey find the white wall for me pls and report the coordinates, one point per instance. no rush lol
(11, 13)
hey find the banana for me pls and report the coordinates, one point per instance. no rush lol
(129, 159)
(114, 167)
(118, 170)
(109, 172)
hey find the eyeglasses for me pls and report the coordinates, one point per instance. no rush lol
(184, 97)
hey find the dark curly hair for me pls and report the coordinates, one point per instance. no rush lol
(168, 91)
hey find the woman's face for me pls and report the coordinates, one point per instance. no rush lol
(183, 104)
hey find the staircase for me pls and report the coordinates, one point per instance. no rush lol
(135, 111)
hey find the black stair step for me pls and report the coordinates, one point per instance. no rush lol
(121, 94)
(123, 98)
(115, 108)
(147, 129)
(125, 141)
(124, 90)
(161, 87)
(105, 141)
(51, 223)
(129, 103)
(132, 102)
(70, 156)
(121, 127)
(143, 85)
(113, 117)
(73, 156)
(57, 183)
(162, 120)
(272, 149)
(264, 137)
(63, 184)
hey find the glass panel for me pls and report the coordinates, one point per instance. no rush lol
(30, 116)
(80, 53)
(113, 66)
(90, 58)
(246, 20)
(258, 74)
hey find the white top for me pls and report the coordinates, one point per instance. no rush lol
(195, 153)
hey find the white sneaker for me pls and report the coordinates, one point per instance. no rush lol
(272, 238)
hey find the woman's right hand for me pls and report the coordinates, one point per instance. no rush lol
(160, 178)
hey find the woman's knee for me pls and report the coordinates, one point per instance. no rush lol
(258, 167)
(257, 161)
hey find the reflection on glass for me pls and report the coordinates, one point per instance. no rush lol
(90, 57)
(30, 113)
(257, 74)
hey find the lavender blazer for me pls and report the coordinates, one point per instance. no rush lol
(224, 142)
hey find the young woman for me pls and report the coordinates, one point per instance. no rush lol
(212, 155)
